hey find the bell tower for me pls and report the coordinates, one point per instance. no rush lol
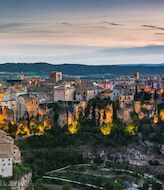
(22, 76)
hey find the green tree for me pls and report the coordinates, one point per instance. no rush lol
(145, 185)
(116, 185)
(12, 129)
(156, 186)
(66, 187)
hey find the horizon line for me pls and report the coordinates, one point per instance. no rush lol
(116, 64)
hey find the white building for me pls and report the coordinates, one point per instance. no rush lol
(6, 165)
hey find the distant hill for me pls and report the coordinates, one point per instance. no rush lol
(76, 69)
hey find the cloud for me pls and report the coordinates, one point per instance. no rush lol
(84, 25)
(112, 23)
(66, 23)
(147, 50)
(10, 25)
(152, 26)
(159, 34)
(17, 27)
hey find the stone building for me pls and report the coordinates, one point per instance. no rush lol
(64, 93)
(43, 92)
(86, 93)
(7, 147)
(55, 76)
(6, 165)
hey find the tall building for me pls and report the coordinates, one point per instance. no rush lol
(22, 76)
(137, 75)
(55, 76)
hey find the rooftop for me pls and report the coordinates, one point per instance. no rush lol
(5, 156)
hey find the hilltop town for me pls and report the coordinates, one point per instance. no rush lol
(127, 111)
(81, 95)
(26, 103)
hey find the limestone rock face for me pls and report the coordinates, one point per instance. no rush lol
(109, 114)
(138, 157)
(32, 107)
(101, 119)
(62, 119)
(6, 116)
(21, 184)
(68, 115)
(124, 115)
(134, 154)
(162, 114)
(137, 106)
(104, 115)
(71, 118)
(147, 106)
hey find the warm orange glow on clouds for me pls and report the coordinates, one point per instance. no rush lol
(80, 31)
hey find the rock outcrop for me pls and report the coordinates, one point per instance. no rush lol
(20, 184)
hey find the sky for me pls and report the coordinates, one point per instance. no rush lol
(94, 32)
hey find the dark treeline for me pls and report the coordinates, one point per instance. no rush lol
(76, 69)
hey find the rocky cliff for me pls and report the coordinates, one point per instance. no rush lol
(20, 184)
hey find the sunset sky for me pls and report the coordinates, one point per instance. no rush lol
(82, 31)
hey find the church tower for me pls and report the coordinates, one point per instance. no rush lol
(22, 76)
